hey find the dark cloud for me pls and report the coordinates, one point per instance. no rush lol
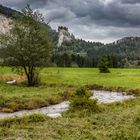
(20, 4)
(131, 1)
(115, 13)
(100, 20)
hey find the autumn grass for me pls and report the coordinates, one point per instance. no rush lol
(14, 98)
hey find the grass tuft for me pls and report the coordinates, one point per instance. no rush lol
(24, 120)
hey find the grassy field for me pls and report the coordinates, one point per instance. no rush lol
(128, 78)
(119, 121)
(59, 81)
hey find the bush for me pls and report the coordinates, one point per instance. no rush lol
(81, 101)
(81, 92)
(103, 65)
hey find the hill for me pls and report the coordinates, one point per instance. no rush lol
(122, 53)
(8, 12)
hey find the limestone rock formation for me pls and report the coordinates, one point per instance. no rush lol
(5, 23)
(64, 35)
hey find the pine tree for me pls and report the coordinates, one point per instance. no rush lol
(103, 65)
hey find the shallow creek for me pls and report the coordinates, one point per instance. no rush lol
(104, 97)
(55, 111)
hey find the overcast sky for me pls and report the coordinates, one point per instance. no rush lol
(94, 20)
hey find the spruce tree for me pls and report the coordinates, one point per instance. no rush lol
(103, 65)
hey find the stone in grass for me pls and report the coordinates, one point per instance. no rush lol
(56, 115)
(11, 82)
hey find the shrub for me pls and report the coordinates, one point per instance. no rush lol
(81, 92)
(81, 101)
(84, 103)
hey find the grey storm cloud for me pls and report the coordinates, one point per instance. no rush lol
(113, 13)
(97, 20)
(131, 1)
(20, 4)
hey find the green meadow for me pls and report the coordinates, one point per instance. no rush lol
(118, 121)
(128, 78)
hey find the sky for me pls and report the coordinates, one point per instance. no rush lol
(93, 20)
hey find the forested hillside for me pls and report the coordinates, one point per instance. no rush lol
(8, 12)
(122, 53)
(80, 53)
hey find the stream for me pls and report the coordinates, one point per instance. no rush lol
(55, 111)
(105, 97)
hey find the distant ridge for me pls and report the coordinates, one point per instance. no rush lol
(9, 13)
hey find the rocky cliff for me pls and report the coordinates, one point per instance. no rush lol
(5, 23)
(63, 35)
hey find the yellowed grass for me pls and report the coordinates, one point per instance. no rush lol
(10, 77)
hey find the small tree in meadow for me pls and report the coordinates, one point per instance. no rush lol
(103, 65)
(27, 45)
